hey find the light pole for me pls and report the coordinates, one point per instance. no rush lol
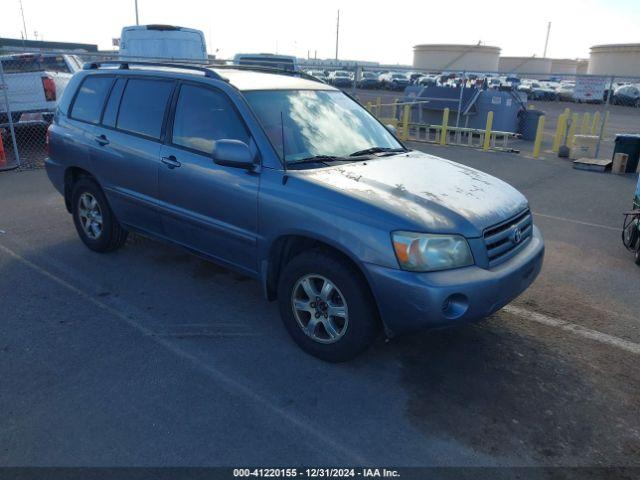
(337, 33)
(137, 20)
(24, 25)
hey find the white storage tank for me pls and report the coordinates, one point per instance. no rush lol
(564, 66)
(619, 59)
(446, 57)
(538, 65)
(583, 66)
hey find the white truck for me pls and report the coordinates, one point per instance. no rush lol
(33, 83)
(165, 42)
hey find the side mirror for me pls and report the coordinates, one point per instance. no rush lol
(232, 153)
(392, 129)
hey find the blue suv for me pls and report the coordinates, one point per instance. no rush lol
(290, 181)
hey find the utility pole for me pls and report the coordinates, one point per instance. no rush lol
(546, 42)
(24, 25)
(137, 19)
(337, 34)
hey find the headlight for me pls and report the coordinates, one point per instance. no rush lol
(422, 252)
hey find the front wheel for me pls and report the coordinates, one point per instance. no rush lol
(96, 225)
(326, 306)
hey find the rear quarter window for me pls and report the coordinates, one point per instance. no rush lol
(90, 99)
(143, 106)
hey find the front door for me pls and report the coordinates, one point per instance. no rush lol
(205, 206)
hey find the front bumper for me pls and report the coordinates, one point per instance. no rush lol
(410, 301)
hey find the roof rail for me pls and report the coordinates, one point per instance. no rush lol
(124, 65)
(260, 68)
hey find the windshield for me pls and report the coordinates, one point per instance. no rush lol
(342, 74)
(317, 122)
(399, 75)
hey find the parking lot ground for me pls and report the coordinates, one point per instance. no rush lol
(152, 357)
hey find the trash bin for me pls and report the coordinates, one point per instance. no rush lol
(629, 144)
(529, 123)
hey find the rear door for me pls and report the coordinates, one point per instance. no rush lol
(208, 207)
(126, 149)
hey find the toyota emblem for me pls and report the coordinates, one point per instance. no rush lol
(516, 235)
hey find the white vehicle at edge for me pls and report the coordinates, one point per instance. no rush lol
(268, 60)
(162, 42)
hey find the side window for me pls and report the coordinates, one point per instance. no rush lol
(90, 98)
(143, 105)
(204, 116)
(111, 110)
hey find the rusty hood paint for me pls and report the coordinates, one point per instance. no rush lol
(426, 192)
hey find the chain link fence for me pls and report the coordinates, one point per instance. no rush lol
(536, 114)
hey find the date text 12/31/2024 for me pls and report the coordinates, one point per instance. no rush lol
(316, 472)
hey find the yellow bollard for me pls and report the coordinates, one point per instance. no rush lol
(369, 107)
(567, 112)
(445, 124)
(604, 123)
(378, 107)
(561, 127)
(595, 124)
(487, 132)
(575, 118)
(539, 136)
(406, 114)
(586, 124)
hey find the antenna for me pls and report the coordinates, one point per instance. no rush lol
(284, 158)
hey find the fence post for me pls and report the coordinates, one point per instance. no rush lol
(462, 84)
(561, 128)
(369, 107)
(487, 132)
(379, 107)
(394, 109)
(445, 124)
(606, 117)
(9, 115)
(539, 135)
(405, 122)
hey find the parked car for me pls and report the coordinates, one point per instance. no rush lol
(33, 83)
(163, 42)
(426, 80)
(340, 78)
(290, 181)
(319, 74)
(538, 90)
(369, 80)
(626, 95)
(565, 91)
(394, 81)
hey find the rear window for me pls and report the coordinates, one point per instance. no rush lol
(35, 63)
(90, 99)
(143, 106)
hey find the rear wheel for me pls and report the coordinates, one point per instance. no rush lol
(96, 225)
(326, 306)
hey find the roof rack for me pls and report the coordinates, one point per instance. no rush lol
(260, 68)
(124, 65)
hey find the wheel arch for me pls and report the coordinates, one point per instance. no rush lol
(285, 247)
(71, 176)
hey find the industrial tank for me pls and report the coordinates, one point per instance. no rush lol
(442, 57)
(583, 66)
(564, 66)
(537, 65)
(620, 59)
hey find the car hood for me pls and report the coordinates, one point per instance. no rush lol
(426, 192)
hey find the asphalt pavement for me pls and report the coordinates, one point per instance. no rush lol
(150, 356)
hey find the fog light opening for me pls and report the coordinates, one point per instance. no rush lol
(455, 306)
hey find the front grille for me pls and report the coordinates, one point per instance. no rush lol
(502, 241)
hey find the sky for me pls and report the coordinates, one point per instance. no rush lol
(369, 30)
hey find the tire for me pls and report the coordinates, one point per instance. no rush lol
(353, 332)
(637, 257)
(110, 236)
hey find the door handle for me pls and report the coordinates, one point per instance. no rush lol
(171, 161)
(102, 140)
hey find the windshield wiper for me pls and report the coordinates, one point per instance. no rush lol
(372, 150)
(316, 159)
